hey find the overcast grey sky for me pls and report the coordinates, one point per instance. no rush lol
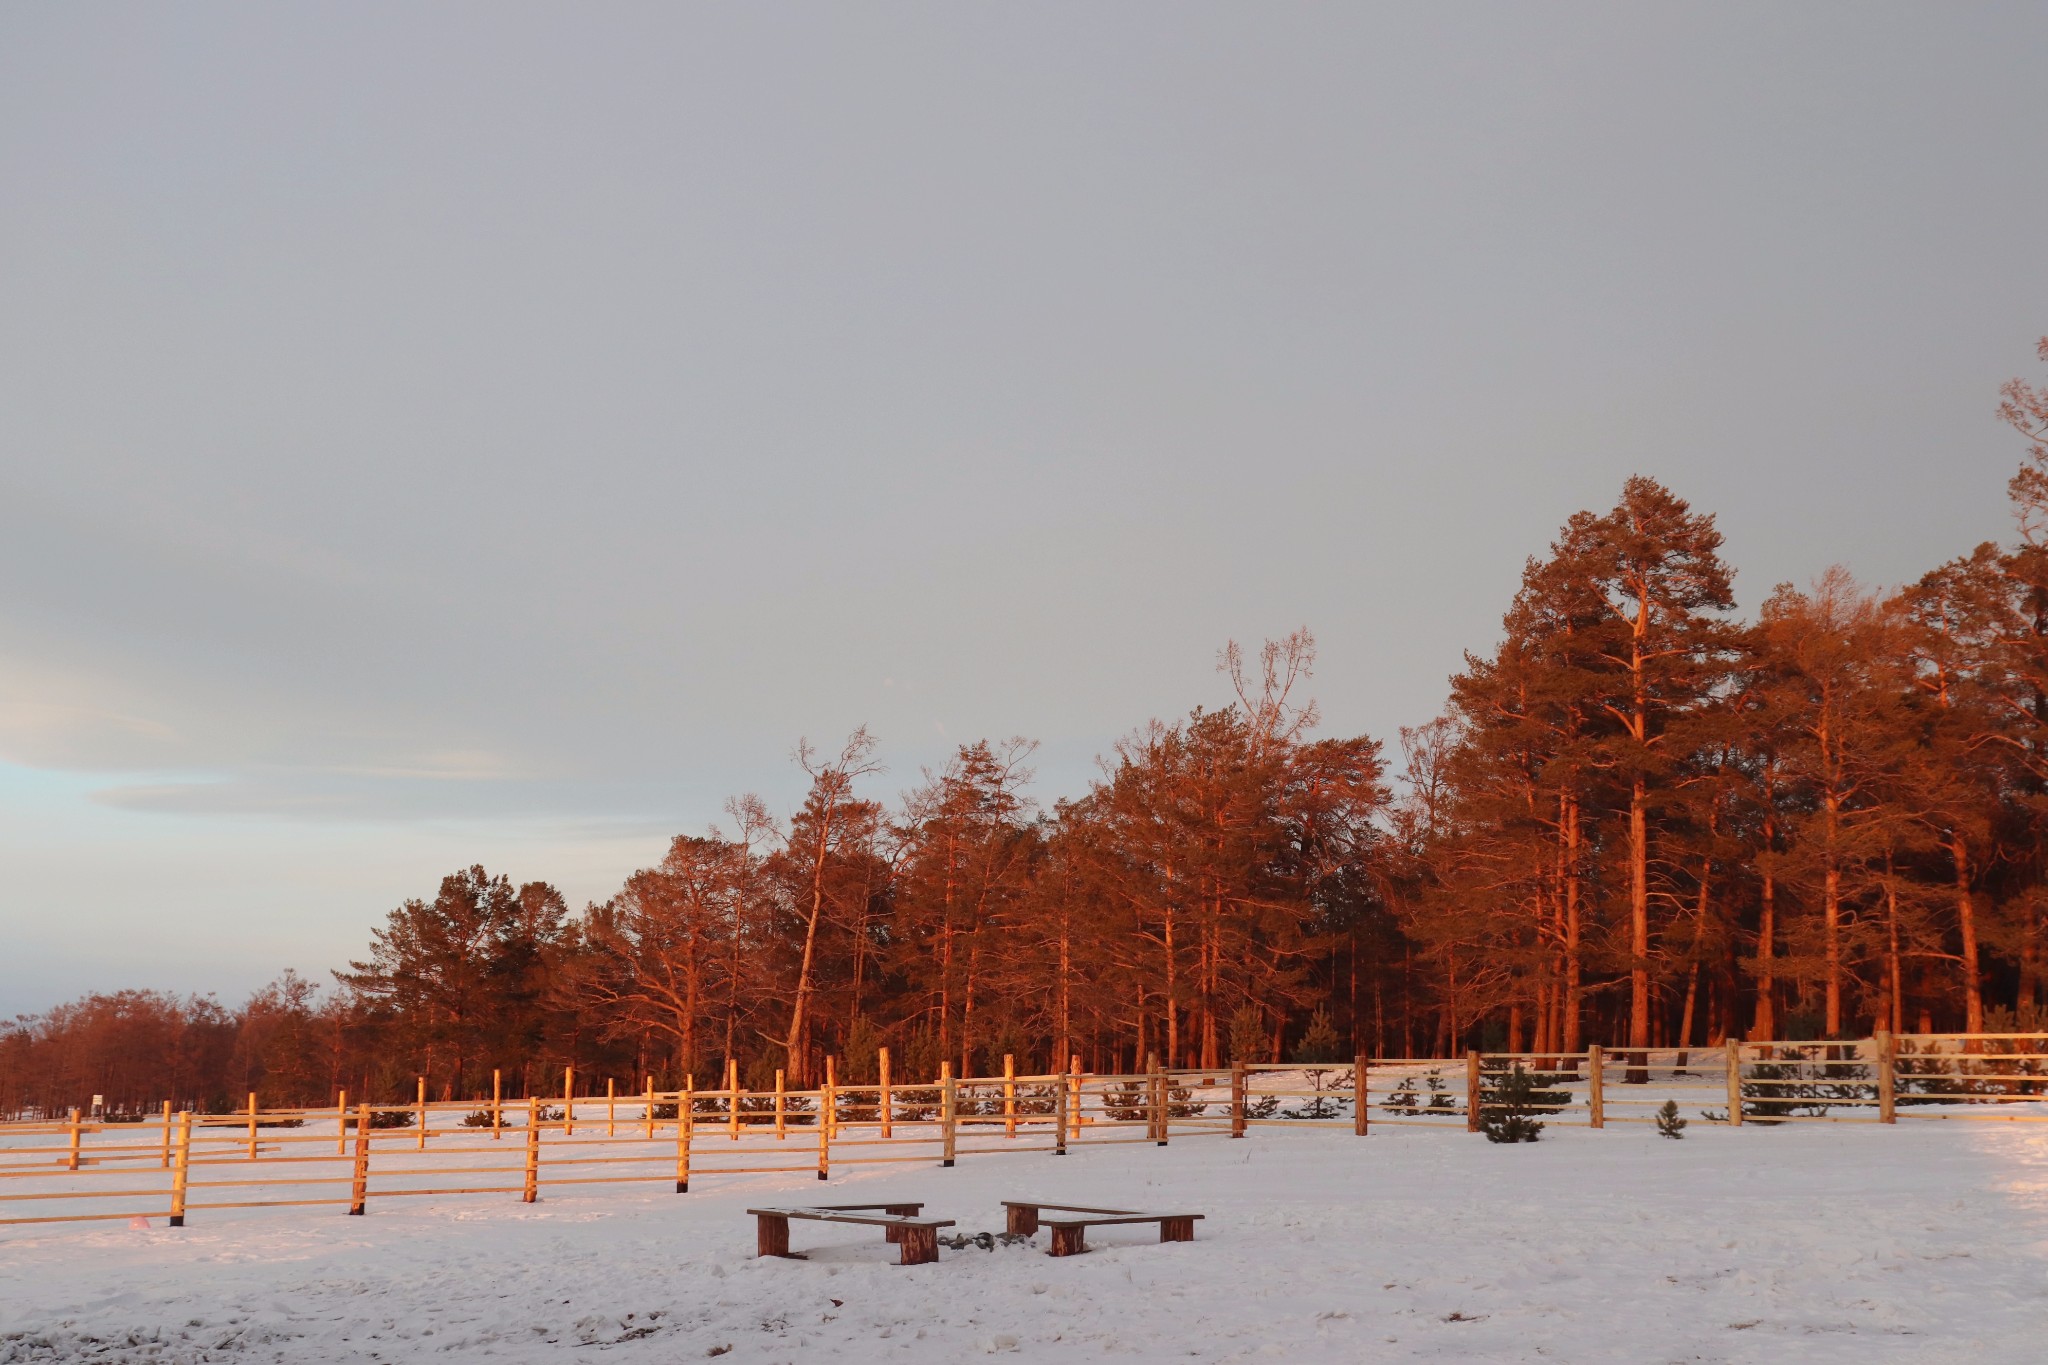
(441, 433)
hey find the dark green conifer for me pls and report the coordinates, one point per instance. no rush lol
(1517, 1097)
(1668, 1123)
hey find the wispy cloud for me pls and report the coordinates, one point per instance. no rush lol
(464, 765)
(43, 732)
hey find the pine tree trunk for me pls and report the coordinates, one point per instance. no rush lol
(1766, 1025)
(1966, 919)
(1450, 1004)
(1064, 1041)
(967, 1018)
(1573, 1003)
(946, 953)
(2030, 963)
(1831, 908)
(1893, 974)
(1639, 932)
(1172, 1022)
(1699, 941)
(794, 1061)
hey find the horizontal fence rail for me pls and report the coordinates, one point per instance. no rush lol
(173, 1165)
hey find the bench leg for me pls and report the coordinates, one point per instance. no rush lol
(920, 1245)
(771, 1235)
(895, 1235)
(1176, 1229)
(1069, 1241)
(1023, 1220)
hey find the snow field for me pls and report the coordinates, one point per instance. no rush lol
(1816, 1242)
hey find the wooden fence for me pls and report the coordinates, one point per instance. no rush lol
(350, 1155)
(1876, 1080)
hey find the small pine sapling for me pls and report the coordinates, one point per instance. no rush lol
(1248, 1035)
(1319, 1043)
(1126, 1102)
(1668, 1123)
(1324, 1103)
(1035, 1100)
(1518, 1097)
(1319, 1046)
(1804, 1081)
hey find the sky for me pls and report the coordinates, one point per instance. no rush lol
(438, 434)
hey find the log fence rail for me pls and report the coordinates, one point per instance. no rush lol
(353, 1155)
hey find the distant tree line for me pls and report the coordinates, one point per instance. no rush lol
(1640, 821)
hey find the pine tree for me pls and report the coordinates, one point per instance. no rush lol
(1247, 1034)
(825, 871)
(1319, 1044)
(1668, 1123)
(1518, 1096)
(1835, 699)
(1657, 565)
(1958, 776)
(966, 851)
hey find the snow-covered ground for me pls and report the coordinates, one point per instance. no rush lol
(1927, 1241)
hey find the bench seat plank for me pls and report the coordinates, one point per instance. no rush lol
(1069, 1233)
(879, 1220)
(917, 1237)
(1064, 1208)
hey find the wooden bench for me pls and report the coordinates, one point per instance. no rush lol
(918, 1237)
(1069, 1235)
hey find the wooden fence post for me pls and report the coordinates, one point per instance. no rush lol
(531, 1193)
(647, 1109)
(1151, 1097)
(732, 1097)
(497, 1103)
(181, 1173)
(824, 1139)
(1240, 1086)
(421, 1110)
(1009, 1095)
(1059, 1113)
(887, 1104)
(780, 1102)
(167, 1132)
(1161, 1114)
(1596, 1085)
(71, 1162)
(1735, 1082)
(1075, 1106)
(828, 1099)
(252, 1125)
(1471, 1092)
(568, 1101)
(947, 1113)
(341, 1123)
(611, 1107)
(686, 1128)
(359, 1181)
(1360, 1091)
(1887, 1094)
